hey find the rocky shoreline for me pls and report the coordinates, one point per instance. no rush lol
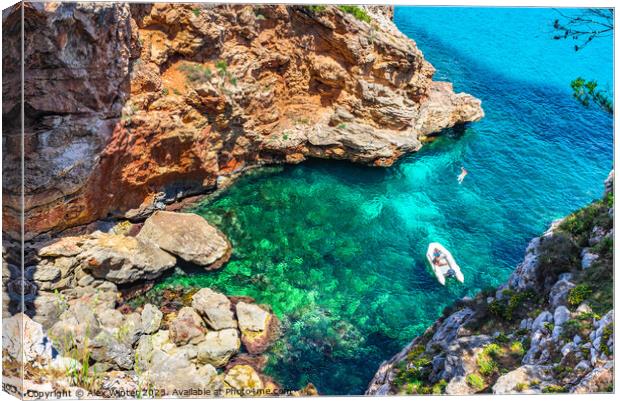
(548, 329)
(81, 335)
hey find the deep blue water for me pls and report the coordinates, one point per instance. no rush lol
(338, 249)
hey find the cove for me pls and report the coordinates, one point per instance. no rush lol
(338, 249)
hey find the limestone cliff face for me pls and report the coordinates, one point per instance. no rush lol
(548, 329)
(132, 106)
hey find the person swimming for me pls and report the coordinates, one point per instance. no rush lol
(461, 176)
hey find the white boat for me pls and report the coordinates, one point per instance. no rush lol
(443, 263)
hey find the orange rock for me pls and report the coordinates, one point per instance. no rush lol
(161, 99)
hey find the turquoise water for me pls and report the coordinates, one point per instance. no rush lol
(338, 249)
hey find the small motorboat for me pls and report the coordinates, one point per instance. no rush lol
(443, 263)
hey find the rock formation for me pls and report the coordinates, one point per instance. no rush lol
(129, 107)
(82, 337)
(548, 329)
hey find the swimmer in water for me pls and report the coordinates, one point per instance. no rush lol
(461, 176)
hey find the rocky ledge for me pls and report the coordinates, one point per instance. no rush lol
(548, 329)
(80, 334)
(132, 106)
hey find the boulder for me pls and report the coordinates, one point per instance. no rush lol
(252, 317)
(583, 308)
(218, 347)
(587, 258)
(524, 375)
(259, 328)
(187, 327)
(244, 379)
(150, 318)
(187, 236)
(458, 386)
(559, 292)
(113, 344)
(24, 338)
(110, 317)
(215, 308)
(121, 259)
(446, 332)
(75, 327)
(148, 345)
(174, 372)
(560, 315)
(541, 319)
(106, 347)
(600, 379)
(66, 246)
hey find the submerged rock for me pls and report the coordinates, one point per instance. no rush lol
(259, 328)
(187, 236)
(244, 378)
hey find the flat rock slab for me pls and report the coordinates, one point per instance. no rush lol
(188, 236)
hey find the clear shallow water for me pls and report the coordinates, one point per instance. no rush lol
(338, 250)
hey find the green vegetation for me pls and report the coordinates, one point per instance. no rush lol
(487, 363)
(608, 332)
(413, 375)
(573, 327)
(587, 92)
(558, 254)
(196, 73)
(517, 349)
(521, 386)
(316, 9)
(222, 71)
(590, 24)
(476, 382)
(511, 304)
(554, 388)
(80, 373)
(595, 285)
(578, 294)
(200, 74)
(580, 224)
(357, 12)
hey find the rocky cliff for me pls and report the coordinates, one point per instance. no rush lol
(548, 329)
(129, 107)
